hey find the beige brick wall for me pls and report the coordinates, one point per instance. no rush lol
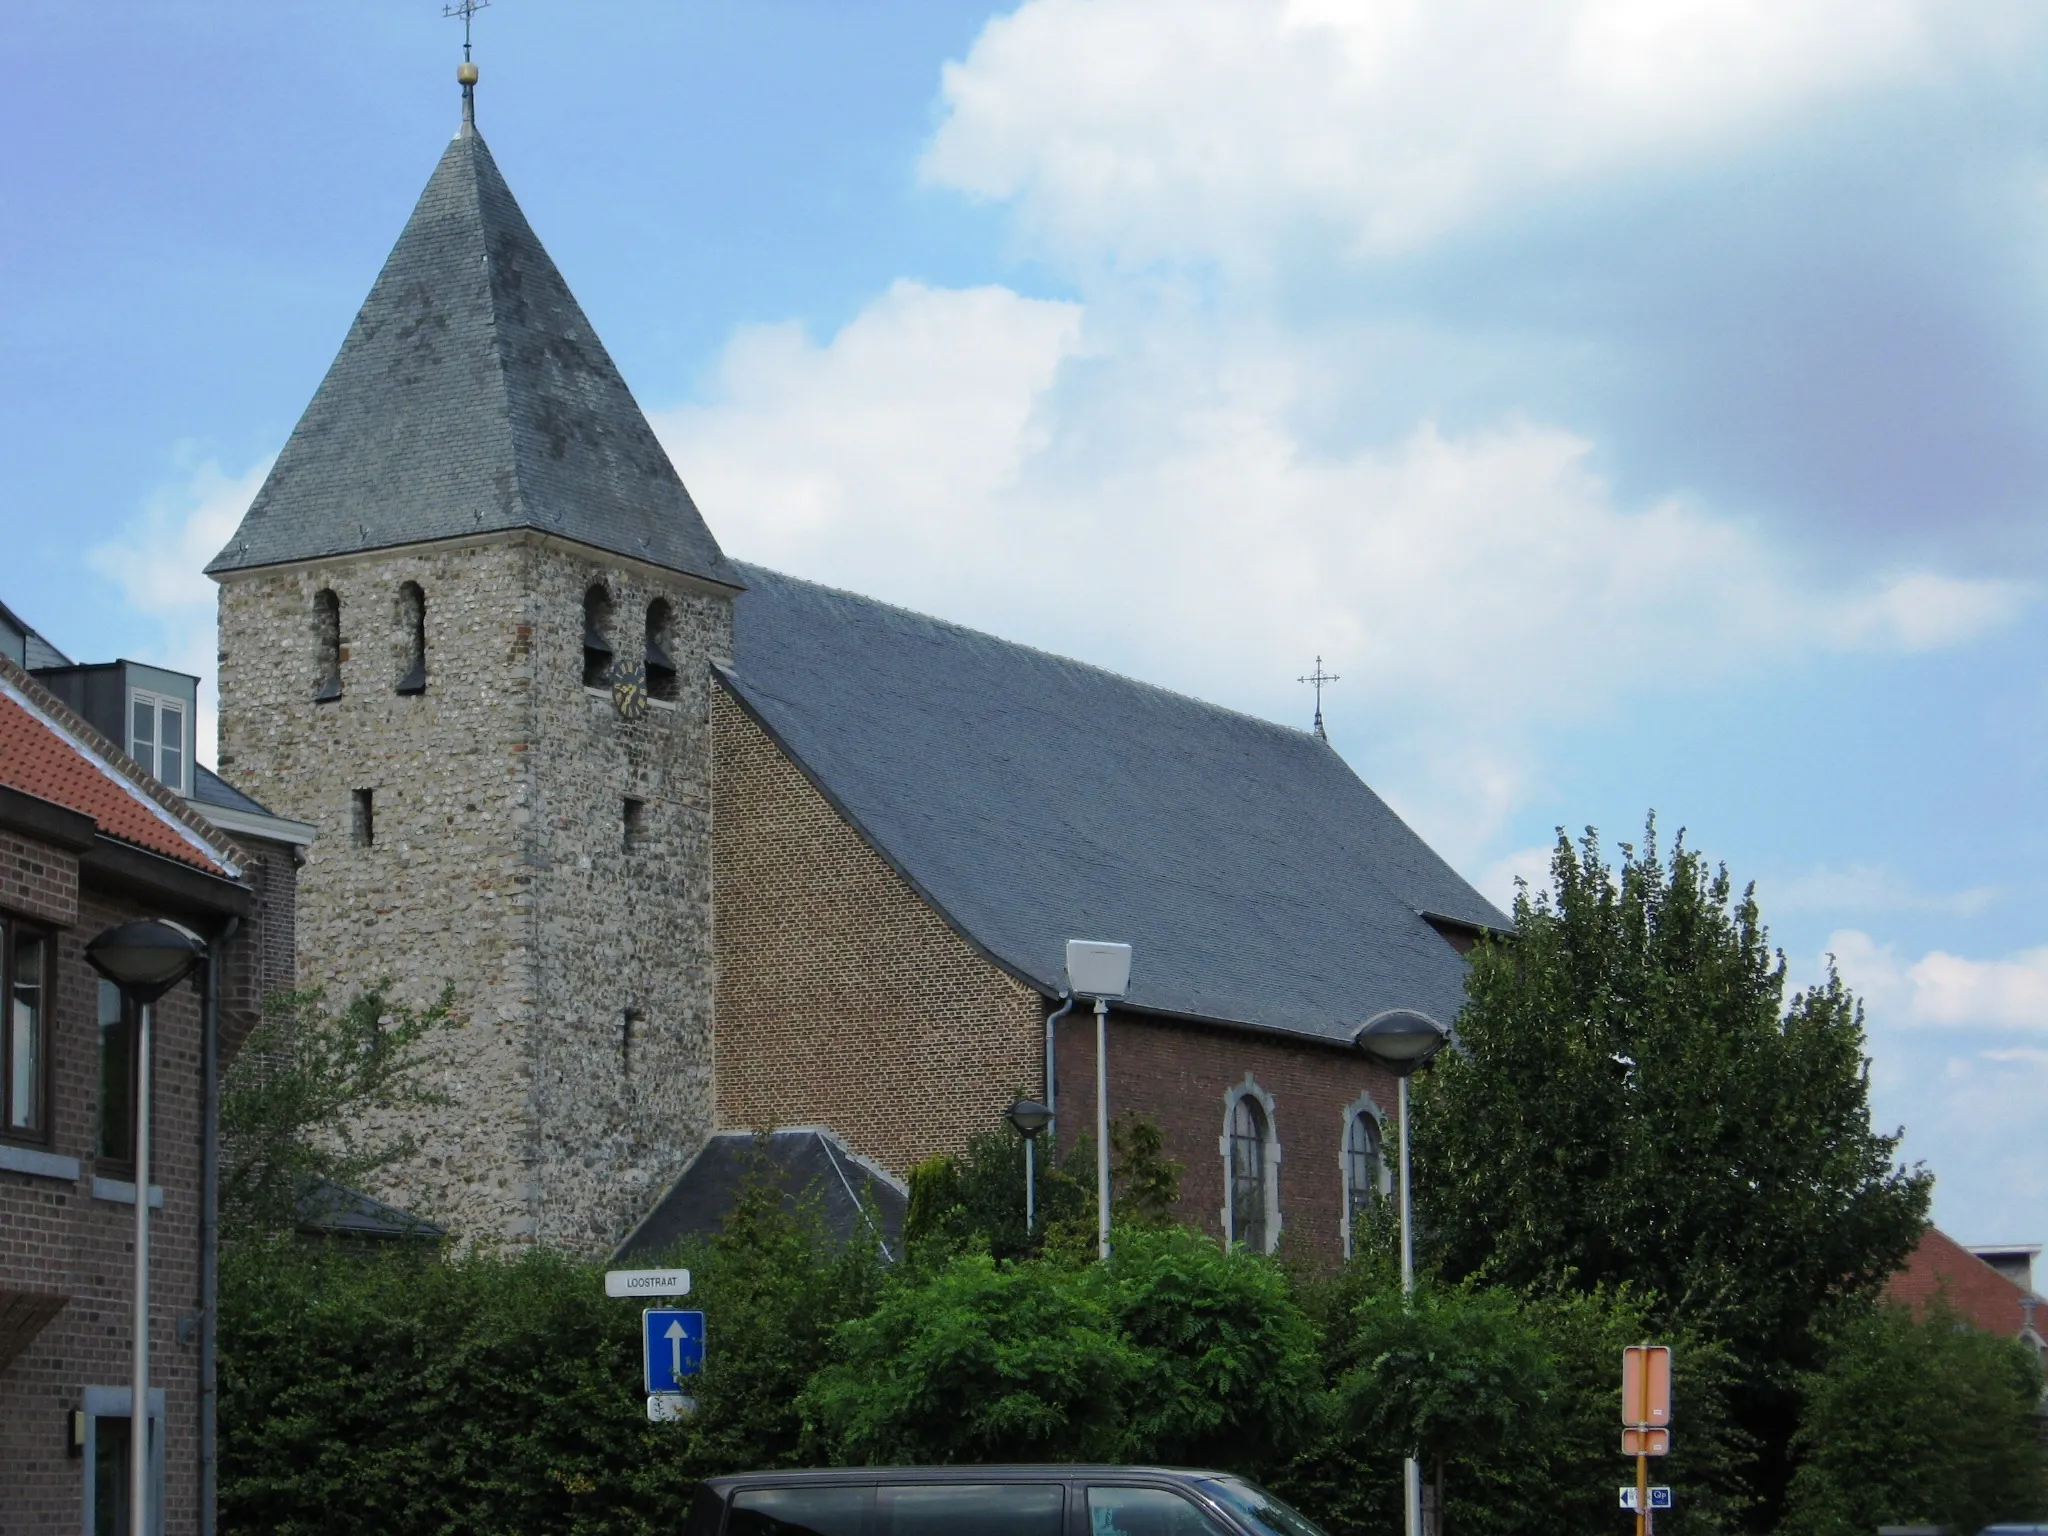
(843, 1000)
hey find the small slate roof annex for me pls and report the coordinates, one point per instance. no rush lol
(472, 396)
(1031, 799)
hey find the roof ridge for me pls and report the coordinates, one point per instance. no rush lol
(1208, 705)
(124, 769)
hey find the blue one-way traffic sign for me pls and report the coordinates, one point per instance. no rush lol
(671, 1347)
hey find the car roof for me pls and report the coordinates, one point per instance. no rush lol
(955, 1473)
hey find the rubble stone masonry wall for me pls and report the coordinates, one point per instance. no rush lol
(494, 861)
(843, 999)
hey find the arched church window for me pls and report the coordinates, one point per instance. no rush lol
(326, 646)
(1362, 1170)
(412, 638)
(597, 636)
(1248, 1159)
(661, 649)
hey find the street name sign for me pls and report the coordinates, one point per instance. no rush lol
(1660, 1497)
(671, 1348)
(646, 1282)
(668, 1407)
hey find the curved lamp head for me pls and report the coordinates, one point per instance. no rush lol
(1401, 1039)
(146, 958)
(1029, 1117)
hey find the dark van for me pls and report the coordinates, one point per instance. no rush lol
(990, 1501)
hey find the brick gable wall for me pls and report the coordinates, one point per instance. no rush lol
(843, 1000)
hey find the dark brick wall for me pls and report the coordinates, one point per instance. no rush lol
(1181, 1075)
(57, 1239)
(263, 960)
(36, 880)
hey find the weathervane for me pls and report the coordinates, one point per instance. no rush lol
(466, 71)
(1319, 677)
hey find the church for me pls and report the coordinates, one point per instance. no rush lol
(707, 851)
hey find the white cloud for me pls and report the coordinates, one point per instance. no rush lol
(159, 563)
(1223, 128)
(1941, 989)
(1525, 866)
(1132, 490)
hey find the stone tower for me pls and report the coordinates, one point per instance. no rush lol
(431, 622)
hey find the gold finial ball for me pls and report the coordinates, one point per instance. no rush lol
(465, 73)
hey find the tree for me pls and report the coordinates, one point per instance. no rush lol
(1916, 1422)
(1634, 1102)
(310, 1096)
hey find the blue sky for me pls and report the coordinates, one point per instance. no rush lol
(1637, 403)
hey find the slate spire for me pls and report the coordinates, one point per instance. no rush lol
(472, 396)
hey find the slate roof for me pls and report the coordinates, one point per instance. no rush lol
(209, 788)
(41, 755)
(327, 1209)
(472, 396)
(1032, 799)
(803, 1163)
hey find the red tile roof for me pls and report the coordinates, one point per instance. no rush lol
(41, 758)
(1979, 1293)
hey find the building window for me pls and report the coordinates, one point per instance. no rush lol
(156, 737)
(362, 828)
(629, 1026)
(1251, 1169)
(1364, 1170)
(326, 646)
(412, 638)
(636, 822)
(119, 1039)
(107, 1456)
(597, 637)
(661, 650)
(25, 958)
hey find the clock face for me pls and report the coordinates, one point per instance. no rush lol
(629, 688)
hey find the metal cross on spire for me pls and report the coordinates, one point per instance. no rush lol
(1319, 677)
(466, 71)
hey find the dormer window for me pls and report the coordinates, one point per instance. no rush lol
(661, 640)
(156, 737)
(412, 636)
(597, 642)
(326, 646)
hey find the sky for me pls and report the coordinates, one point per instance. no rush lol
(1639, 405)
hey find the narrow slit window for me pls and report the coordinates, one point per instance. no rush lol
(1361, 1170)
(661, 649)
(326, 646)
(117, 1076)
(363, 817)
(597, 637)
(25, 962)
(635, 822)
(629, 1026)
(412, 638)
(1248, 1213)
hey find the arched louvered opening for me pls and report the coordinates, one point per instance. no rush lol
(661, 649)
(412, 638)
(326, 646)
(597, 637)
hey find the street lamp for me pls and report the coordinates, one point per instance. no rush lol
(145, 959)
(1028, 1117)
(1403, 1042)
(1100, 971)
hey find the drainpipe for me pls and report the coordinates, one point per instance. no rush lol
(209, 1231)
(1052, 1102)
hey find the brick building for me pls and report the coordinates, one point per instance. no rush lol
(705, 848)
(1991, 1288)
(90, 839)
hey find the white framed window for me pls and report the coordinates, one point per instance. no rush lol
(157, 739)
(1250, 1146)
(109, 1414)
(1363, 1155)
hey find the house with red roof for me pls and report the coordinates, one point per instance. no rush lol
(1991, 1287)
(90, 838)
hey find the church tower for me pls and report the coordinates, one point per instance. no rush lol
(467, 629)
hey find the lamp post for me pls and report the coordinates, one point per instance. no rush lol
(1403, 1041)
(145, 959)
(1028, 1117)
(1101, 971)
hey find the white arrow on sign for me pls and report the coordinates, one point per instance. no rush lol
(647, 1282)
(675, 1349)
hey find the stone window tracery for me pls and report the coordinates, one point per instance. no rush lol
(1251, 1168)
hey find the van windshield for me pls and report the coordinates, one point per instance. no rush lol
(1253, 1503)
